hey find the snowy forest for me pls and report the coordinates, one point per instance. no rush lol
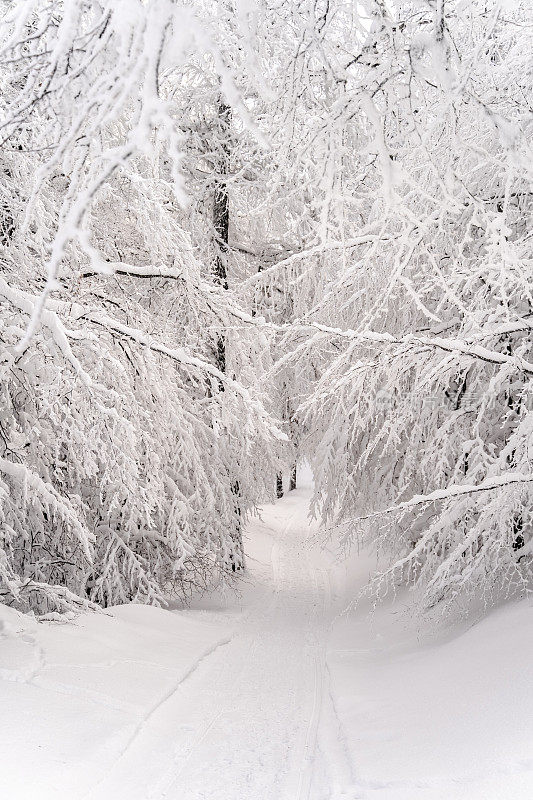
(238, 235)
(266, 326)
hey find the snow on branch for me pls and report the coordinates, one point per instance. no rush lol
(489, 484)
(448, 345)
(61, 506)
(181, 356)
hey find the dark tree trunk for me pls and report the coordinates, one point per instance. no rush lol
(221, 219)
(279, 485)
(292, 484)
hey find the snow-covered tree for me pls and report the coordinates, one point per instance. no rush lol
(120, 434)
(216, 213)
(420, 421)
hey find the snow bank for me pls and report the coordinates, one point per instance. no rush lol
(74, 696)
(450, 719)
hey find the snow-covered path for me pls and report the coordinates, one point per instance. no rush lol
(248, 722)
(270, 694)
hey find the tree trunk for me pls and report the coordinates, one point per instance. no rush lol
(279, 485)
(292, 484)
(221, 219)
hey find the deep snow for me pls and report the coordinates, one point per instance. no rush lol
(273, 694)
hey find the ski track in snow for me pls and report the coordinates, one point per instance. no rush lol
(245, 722)
(145, 719)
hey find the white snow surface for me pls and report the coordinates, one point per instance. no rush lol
(273, 694)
